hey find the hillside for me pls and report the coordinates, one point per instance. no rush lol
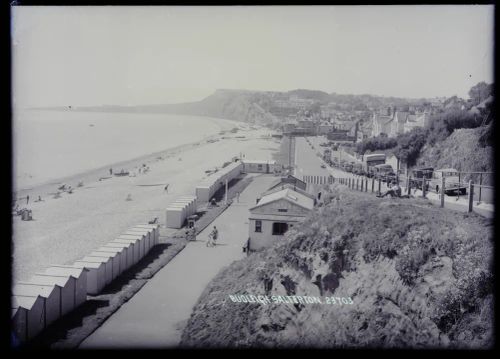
(418, 277)
(254, 107)
(463, 151)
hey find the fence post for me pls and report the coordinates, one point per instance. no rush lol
(379, 185)
(349, 182)
(408, 181)
(366, 184)
(357, 180)
(471, 195)
(424, 186)
(442, 191)
(373, 185)
(480, 184)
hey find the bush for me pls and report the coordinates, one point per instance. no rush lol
(443, 124)
(410, 144)
(375, 143)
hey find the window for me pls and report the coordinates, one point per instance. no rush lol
(258, 226)
(279, 228)
(259, 167)
(282, 210)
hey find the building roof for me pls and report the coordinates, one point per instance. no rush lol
(288, 195)
(48, 279)
(28, 289)
(282, 185)
(289, 179)
(271, 162)
(70, 271)
(26, 302)
(383, 119)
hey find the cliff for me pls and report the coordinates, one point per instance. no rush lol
(464, 150)
(419, 277)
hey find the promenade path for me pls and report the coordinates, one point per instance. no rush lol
(156, 315)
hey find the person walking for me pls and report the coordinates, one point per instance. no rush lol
(27, 199)
(212, 237)
(166, 188)
(110, 171)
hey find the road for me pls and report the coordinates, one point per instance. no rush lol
(309, 163)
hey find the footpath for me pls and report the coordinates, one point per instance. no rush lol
(156, 315)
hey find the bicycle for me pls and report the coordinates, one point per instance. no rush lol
(211, 241)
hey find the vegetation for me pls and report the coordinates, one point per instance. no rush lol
(419, 277)
(373, 144)
(480, 92)
(409, 146)
(443, 124)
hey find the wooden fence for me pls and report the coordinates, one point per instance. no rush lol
(373, 185)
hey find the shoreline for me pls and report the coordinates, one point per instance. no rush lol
(49, 187)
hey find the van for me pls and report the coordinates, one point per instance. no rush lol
(417, 176)
(452, 184)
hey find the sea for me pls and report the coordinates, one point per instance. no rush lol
(50, 144)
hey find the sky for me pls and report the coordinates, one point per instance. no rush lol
(152, 55)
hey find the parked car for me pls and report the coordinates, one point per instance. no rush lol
(383, 172)
(357, 169)
(452, 184)
(347, 167)
(417, 176)
(323, 165)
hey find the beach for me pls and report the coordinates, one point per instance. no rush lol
(67, 228)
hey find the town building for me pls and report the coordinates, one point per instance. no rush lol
(381, 124)
(416, 120)
(260, 166)
(274, 214)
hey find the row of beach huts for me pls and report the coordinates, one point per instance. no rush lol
(48, 296)
(184, 207)
(52, 294)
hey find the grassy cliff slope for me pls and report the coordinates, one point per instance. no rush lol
(463, 151)
(419, 276)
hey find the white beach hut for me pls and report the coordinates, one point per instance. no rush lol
(28, 316)
(121, 252)
(80, 275)
(96, 275)
(127, 252)
(115, 261)
(19, 322)
(50, 292)
(156, 230)
(133, 253)
(68, 288)
(176, 214)
(139, 243)
(147, 237)
(108, 265)
(192, 203)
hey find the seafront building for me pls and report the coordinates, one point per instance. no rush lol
(281, 207)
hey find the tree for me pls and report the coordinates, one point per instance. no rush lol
(480, 92)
